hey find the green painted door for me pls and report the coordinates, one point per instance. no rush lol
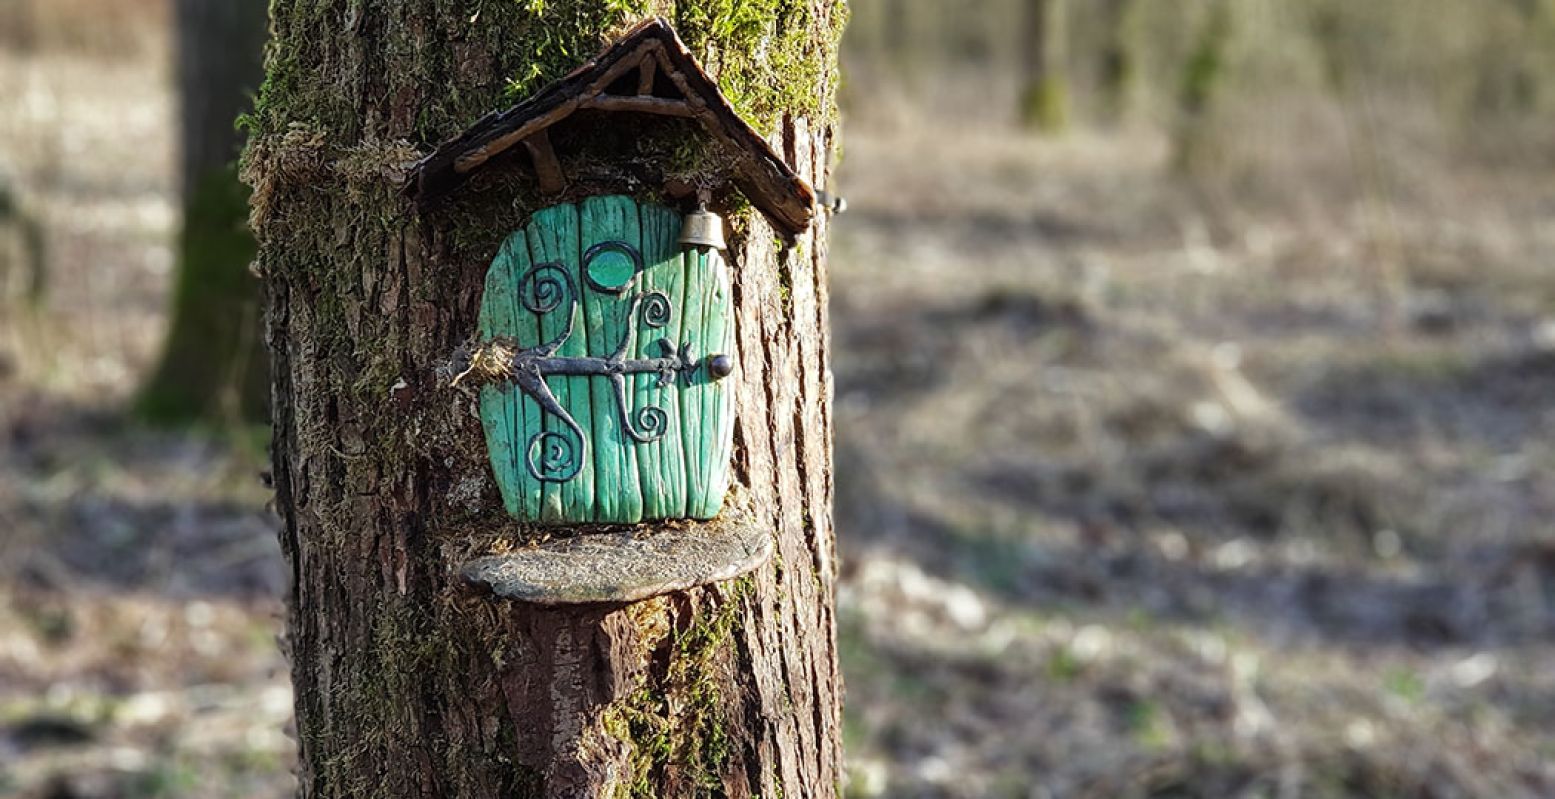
(615, 410)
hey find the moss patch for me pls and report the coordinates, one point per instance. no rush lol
(675, 720)
(768, 56)
(742, 43)
(745, 43)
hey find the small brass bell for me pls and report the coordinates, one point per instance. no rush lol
(702, 228)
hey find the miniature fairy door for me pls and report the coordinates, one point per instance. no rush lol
(615, 409)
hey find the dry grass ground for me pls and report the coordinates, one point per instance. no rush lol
(1235, 488)
(1148, 494)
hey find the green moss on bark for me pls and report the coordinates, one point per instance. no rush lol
(742, 43)
(675, 720)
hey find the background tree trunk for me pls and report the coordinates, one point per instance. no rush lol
(1045, 100)
(1118, 73)
(1200, 85)
(408, 683)
(213, 362)
(23, 246)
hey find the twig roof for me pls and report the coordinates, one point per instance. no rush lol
(649, 50)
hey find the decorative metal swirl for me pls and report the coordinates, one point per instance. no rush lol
(650, 423)
(554, 456)
(557, 456)
(656, 309)
(544, 287)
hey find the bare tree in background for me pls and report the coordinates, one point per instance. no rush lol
(1045, 98)
(1118, 73)
(213, 362)
(1200, 85)
(22, 248)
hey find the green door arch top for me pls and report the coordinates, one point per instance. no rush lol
(615, 408)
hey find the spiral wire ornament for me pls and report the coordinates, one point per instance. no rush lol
(650, 423)
(554, 457)
(656, 310)
(544, 287)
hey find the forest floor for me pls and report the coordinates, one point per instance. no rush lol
(1146, 488)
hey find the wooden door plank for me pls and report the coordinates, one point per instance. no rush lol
(662, 463)
(603, 220)
(693, 424)
(528, 418)
(501, 404)
(553, 238)
(717, 398)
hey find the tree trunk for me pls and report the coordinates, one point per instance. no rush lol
(1119, 70)
(213, 360)
(410, 683)
(1202, 80)
(23, 246)
(1045, 100)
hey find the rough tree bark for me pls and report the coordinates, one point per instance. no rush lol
(409, 683)
(213, 361)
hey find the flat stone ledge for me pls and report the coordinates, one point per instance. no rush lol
(624, 566)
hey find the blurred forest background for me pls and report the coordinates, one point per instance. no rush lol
(1195, 402)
